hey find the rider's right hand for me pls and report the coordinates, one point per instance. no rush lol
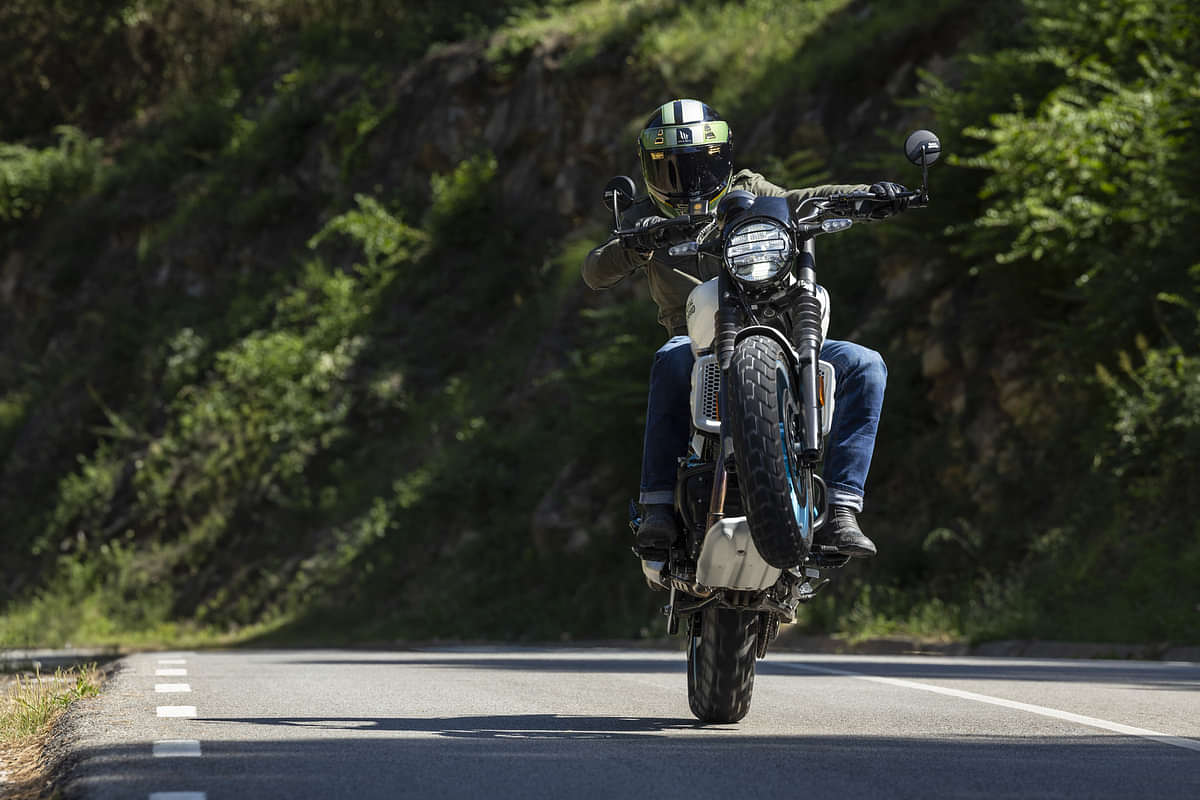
(645, 238)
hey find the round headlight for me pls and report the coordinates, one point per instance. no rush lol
(758, 251)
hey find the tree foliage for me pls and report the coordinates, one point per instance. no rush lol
(1083, 235)
(1090, 194)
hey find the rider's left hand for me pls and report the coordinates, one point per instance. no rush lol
(648, 237)
(887, 201)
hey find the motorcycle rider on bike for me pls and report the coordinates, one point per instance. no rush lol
(686, 176)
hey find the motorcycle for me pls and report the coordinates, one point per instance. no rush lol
(749, 495)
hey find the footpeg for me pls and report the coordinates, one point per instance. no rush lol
(826, 556)
(653, 571)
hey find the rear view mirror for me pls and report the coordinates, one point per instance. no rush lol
(618, 194)
(922, 148)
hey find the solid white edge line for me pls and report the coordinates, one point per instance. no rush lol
(1093, 722)
(176, 748)
(172, 687)
(168, 661)
(178, 796)
(170, 673)
(175, 711)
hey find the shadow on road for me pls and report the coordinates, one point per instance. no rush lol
(527, 764)
(558, 663)
(535, 726)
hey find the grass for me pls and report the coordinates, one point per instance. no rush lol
(29, 707)
(32, 703)
(59, 617)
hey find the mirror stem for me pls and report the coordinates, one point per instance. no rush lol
(925, 173)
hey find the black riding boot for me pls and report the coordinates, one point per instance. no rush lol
(657, 531)
(841, 531)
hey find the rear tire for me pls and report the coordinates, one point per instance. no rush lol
(722, 645)
(764, 418)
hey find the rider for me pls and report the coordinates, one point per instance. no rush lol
(686, 153)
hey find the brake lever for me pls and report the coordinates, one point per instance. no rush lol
(843, 204)
(918, 198)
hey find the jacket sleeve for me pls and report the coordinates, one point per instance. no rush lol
(759, 185)
(609, 264)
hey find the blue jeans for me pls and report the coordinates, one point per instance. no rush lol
(861, 378)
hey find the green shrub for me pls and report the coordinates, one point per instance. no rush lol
(31, 180)
(461, 201)
(688, 52)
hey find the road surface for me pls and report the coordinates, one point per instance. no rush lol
(511, 722)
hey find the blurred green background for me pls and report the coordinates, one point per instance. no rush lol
(293, 343)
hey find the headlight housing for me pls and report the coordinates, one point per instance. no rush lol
(758, 250)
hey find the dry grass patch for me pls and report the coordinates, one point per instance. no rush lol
(29, 706)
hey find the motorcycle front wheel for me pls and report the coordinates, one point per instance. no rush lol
(722, 645)
(765, 420)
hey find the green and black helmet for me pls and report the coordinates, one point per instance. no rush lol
(686, 152)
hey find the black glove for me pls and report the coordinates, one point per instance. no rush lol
(645, 239)
(886, 201)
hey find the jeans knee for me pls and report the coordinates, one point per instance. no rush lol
(873, 368)
(672, 362)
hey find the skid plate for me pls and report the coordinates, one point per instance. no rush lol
(729, 559)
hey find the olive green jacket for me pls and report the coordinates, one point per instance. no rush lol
(610, 263)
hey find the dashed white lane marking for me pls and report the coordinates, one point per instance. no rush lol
(172, 687)
(177, 748)
(1093, 722)
(176, 711)
(173, 672)
(172, 661)
(178, 796)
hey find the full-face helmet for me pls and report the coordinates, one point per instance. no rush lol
(686, 151)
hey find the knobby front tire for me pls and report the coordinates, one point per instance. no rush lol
(721, 655)
(763, 415)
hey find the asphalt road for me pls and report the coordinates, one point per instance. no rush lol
(581, 723)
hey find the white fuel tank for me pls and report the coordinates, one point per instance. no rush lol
(701, 315)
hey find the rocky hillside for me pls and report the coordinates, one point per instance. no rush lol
(298, 338)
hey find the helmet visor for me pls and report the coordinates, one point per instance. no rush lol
(688, 174)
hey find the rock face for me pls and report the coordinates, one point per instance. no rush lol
(557, 137)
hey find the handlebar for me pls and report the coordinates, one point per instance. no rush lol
(682, 223)
(848, 204)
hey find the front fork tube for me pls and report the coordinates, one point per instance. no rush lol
(806, 334)
(810, 394)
